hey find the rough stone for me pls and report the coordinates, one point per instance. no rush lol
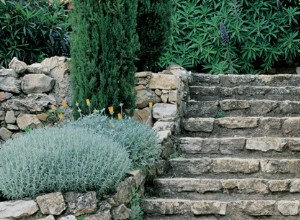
(294, 144)
(12, 127)
(164, 81)
(9, 84)
(173, 96)
(232, 165)
(298, 70)
(10, 117)
(27, 120)
(288, 207)
(52, 203)
(18, 66)
(295, 186)
(167, 207)
(280, 166)
(162, 110)
(163, 135)
(231, 145)
(17, 209)
(199, 145)
(263, 106)
(234, 123)
(2, 115)
(8, 73)
(158, 92)
(229, 183)
(279, 185)
(209, 208)
(257, 207)
(4, 96)
(199, 124)
(164, 97)
(50, 217)
(35, 68)
(270, 124)
(124, 191)
(179, 72)
(5, 134)
(81, 203)
(234, 104)
(253, 186)
(138, 176)
(291, 126)
(143, 98)
(103, 215)
(37, 83)
(143, 74)
(121, 212)
(143, 115)
(191, 166)
(266, 144)
(69, 217)
(164, 125)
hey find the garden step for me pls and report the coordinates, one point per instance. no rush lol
(234, 107)
(235, 209)
(213, 93)
(229, 167)
(254, 188)
(242, 127)
(240, 146)
(199, 79)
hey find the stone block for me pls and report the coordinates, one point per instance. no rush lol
(287, 208)
(52, 203)
(257, 207)
(164, 81)
(209, 208)
(280, 165)
(120, 213)
(162, 110)
(232, 165)
(10, 117)
(295, 185)
(249, 186)
(291, 126)
(279, 185)
(9, 84)
(265, 144)
(18, 209)
(18, 66)
(199, 124)
(81, 203)
(27, 120)
(37, 83)
(143, 98)
(237, 123)
(5, 134)
(234, 104)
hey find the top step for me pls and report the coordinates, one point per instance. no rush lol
(199, 79)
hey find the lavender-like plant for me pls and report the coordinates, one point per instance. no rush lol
(224, 33)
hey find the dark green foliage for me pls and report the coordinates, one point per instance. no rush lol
(140, 140)
(103, 48)
(60, 160)
(31, 30)
(154, 30)
(259, 34)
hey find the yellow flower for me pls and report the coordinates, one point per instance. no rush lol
(64, 104)
(60, 116)
(120, 116)
(111, 109)
(88, 103)
(77, 104)
(53, 107)
(150, 104)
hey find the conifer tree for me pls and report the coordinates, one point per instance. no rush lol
(154, 30)
(103, 50)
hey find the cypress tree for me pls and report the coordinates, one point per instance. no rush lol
(103, 50)
(154, 30)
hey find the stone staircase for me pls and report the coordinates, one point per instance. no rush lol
(240, 152)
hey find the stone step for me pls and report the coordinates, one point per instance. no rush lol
(213, 93)
(227, 189)
(240, 146)
(230, 167)
(236, 209)
(241, 127)
(247, 80)
(234, 107)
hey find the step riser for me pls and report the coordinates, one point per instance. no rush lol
(251, 147)
(232, 108)
(182, 167)
(201, 93)
(245, 80)
(248, 127)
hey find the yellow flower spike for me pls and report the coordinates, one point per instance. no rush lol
(111, 109)
(77, 104)
(64, 104)
(60, 116)
(120, 116)
(150, 104)
(88, 103)
(53, 107)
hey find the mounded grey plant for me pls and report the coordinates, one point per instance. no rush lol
(60, 159)
(140, 140)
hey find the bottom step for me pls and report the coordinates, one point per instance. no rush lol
(193, 209)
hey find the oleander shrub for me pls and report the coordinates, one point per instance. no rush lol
(233, 36)
(140, 140)
(60, 160)
(32, 30)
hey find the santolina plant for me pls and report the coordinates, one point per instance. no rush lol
(60, 160)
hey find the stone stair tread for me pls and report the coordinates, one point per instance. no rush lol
(173, 206)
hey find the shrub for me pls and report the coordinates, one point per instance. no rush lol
(140, 140)
(154, 30)
(233, 36)
(60, 159)
(103, 49)
(31, 30)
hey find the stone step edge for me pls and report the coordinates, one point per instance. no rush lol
(194, 145)
(215, 207)
(245, 185)
(198, 166)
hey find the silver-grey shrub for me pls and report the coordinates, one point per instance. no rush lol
(60, 159)
(140, 140)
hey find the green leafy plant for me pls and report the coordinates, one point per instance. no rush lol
(140, 140)
(60, 160)
(219, 114)
(258, 34)
(103, 48)
(136, 211)
(31, 30)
